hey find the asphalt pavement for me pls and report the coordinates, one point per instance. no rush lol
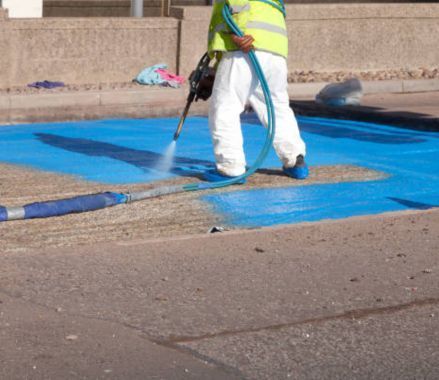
(350, 299)
(356, 298)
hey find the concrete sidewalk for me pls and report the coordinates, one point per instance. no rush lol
(352, 299)
(59, 105)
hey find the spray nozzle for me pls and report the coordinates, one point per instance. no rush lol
(181, 122)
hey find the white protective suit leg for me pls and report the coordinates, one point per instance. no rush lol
(230, 92)
(287, 141)
(235, 85)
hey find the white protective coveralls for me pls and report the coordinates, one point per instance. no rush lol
(236, 85)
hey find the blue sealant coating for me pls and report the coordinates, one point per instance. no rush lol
(118, 151)
(3, 214)
(408, 158)
(127, 151)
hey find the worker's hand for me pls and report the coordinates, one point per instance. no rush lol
(205, 87)
(244, 43)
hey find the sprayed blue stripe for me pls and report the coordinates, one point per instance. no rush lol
(125, 151)
(3, 214)
(407, 158)
(266, 207)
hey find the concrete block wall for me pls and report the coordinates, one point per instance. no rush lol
(323, 37)
(3, 13)
(363, 36)
(96, 8)
(79, 51)
(121, 8)
(336, 37)
(106, 8)
(194, 24)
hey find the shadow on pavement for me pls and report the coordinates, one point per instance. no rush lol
(408, 120)
(144, 159)
(412, 204)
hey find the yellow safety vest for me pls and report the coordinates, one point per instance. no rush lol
(263, 21)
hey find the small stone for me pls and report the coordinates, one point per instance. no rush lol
(215, 229)
(379, 299)
(354, 279)
(58, 309)
(258, 249)
(72, 337)
(426, 271)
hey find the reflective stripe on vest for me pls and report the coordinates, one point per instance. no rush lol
(239, 8)
(218, 28)
(266, 26)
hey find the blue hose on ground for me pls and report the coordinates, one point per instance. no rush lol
(59, 207)
(102, 200)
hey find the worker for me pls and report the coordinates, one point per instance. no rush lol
(236, 85)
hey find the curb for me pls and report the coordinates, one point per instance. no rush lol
(151, 101)
(77, 105)
(369, 87)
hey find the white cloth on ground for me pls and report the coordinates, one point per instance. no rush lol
(236, 85)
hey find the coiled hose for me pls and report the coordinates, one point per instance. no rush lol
(92, 202)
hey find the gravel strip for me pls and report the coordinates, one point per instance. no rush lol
(167, 216)
(302, 76)
(340, 76)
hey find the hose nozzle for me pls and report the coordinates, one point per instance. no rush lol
(182, 119)
(194, 93)
(178, 131)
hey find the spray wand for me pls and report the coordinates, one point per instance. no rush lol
(195, 91)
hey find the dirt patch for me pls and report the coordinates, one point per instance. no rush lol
(170, 215)
(299, 76)
(307, 76)
(76, 87)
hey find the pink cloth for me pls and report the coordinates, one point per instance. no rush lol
(167, 76)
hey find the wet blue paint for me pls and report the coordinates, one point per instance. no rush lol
(409, 158)
(117, 151)
(127, 151)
